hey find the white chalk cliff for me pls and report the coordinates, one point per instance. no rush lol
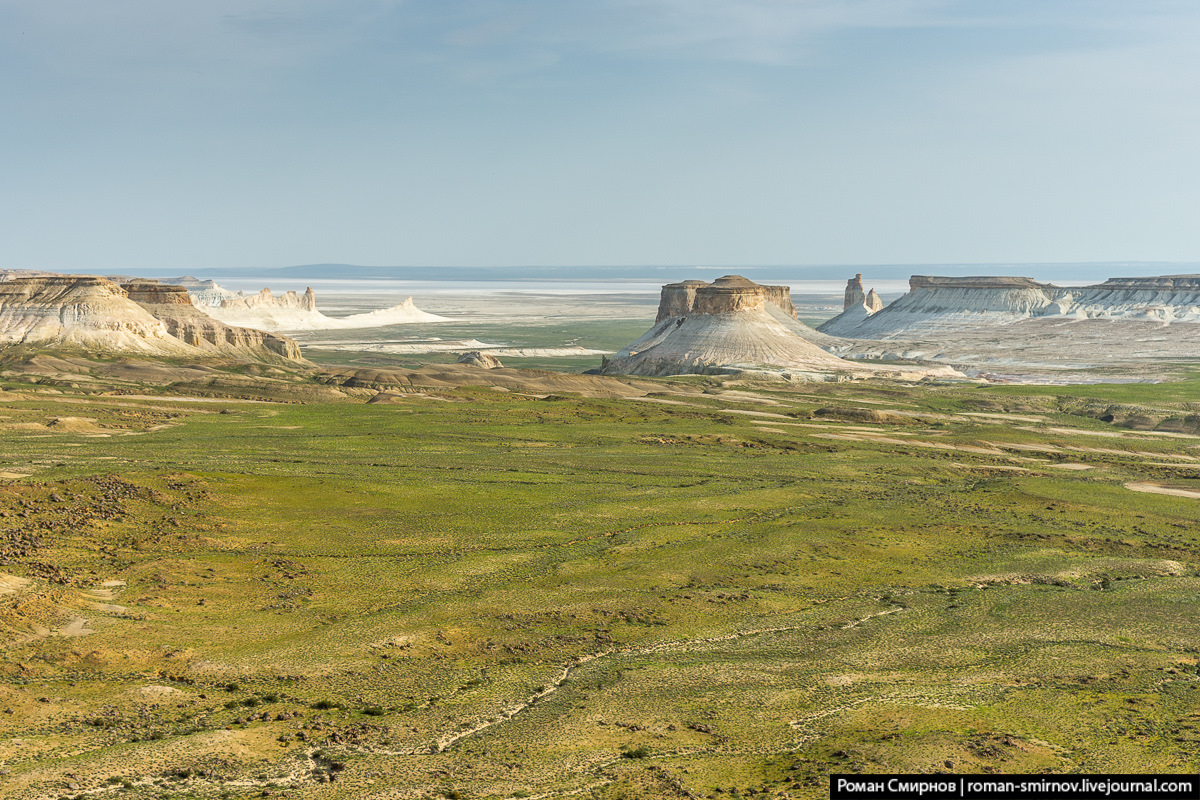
(935, 304)
(291, 311)
(734, 325)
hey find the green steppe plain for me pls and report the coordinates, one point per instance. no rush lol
(478, 594)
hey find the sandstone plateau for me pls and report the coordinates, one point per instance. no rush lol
(736, 325)
(290, 311)
(144, 317)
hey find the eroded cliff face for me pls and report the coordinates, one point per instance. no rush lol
(736, 325)
(854, 293)
(82, 311)
(142, 317)
(677, 299)
(173, 306)
(728, 293)
(936, 304)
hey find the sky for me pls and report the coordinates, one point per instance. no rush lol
(139, 134)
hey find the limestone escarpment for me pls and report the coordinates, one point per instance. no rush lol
(173, 306)
(82, 311)
(732, 325)
(935, 304)
(677, 299)
(94, 313)
(291, 311)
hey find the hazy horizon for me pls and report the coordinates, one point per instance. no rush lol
(614, 132)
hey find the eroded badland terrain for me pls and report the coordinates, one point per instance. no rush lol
(306, 582)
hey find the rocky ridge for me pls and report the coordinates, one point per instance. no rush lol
(944, 303)
(95, 314)
(290, 311)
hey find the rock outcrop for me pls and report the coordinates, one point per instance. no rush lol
(173, 306)
(854, 293)
(679, 299)
(733, 325)
(478, 358)
(291, 311)
(95, 314)
(944, 303)
(81, 311)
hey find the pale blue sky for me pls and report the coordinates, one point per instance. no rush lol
(213, 133)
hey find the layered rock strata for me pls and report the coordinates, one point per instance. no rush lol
(173, 306)
(81, 311)
(679, 299)
(733, 325)
(944, 303)
(92, 313)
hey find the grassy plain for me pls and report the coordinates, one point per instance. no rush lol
(716, 591)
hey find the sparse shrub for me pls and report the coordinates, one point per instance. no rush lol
(325, 705)
(642, 751)
(374, 711)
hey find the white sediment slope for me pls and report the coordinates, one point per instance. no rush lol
(291, 311)
(141, 317)
(735, 325)
(1014, 328)
(81, 311)
(938, 304)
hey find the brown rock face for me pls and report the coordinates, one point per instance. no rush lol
(728, 293)
(873, 303)
(677, 299)
(157, 293)
(781, 297)
(854, 292)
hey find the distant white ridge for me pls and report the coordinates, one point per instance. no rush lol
(291, 311)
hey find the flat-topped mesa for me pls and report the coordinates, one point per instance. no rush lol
(80, 311)
(157, 293)
(935, 305)
(736, 326)
(976, 282)
(730, 293)
(1163, 283)
(725, 294)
